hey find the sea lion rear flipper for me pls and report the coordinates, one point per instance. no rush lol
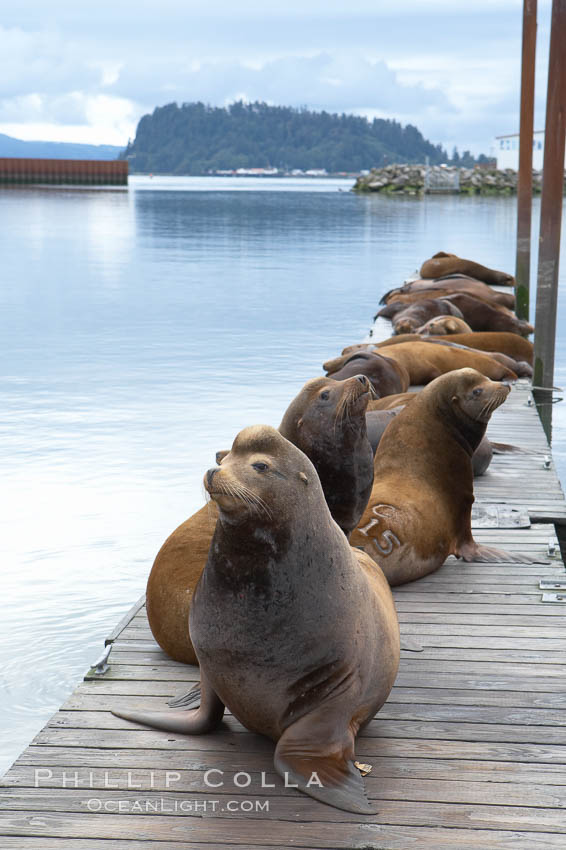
(472, 551)
(199, 721)
(323, 769)
(504, 448)
(188, 698)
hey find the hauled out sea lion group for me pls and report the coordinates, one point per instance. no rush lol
(279, 588)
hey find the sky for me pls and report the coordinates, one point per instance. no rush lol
(87, 72)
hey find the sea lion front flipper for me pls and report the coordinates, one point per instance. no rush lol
(188, 698)
(472, 551)
(199, 721)
(320, 767)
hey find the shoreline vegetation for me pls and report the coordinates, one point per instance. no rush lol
(410, 180)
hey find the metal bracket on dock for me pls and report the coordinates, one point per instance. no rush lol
(549, 584)
(100, 666)
(554, 597)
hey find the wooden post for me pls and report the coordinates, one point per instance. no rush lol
(551, 214)
(525, 178)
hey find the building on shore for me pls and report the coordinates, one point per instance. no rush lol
(507, 151)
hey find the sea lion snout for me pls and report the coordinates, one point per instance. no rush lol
(208, 476)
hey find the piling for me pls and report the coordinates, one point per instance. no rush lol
(525, 176)
(551, 216)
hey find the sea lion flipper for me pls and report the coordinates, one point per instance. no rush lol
(472, 551)
(322, 770)
(188, 698)
(199, 721)
(506, 448)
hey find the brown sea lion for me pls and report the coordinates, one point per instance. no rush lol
(443, 326)
(442, 264)
(520, 367)
(453, 285)
(414, 315)
(425, 360)
(296, 633)
(327, 421)
(386, 374)
(511, 344)
(485, 317)
(419, 511)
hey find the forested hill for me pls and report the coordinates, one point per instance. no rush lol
(194, 139)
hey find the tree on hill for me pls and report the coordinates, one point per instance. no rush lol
(195, 139)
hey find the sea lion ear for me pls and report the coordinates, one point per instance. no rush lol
(299, 423)
(303, 477)
(454, 399)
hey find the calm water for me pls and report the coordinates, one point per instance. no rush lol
(141, 330)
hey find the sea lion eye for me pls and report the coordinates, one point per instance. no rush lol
(477, 392)
(261, 467)
(325, 395)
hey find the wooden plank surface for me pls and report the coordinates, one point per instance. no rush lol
(468, 753)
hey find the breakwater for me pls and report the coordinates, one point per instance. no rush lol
(411, 179)
(15, 170)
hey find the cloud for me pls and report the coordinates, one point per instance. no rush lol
(450, 69)
(325, 81)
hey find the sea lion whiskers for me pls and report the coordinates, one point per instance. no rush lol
(253, 500)
(494, 403)
(240, 491)
(348, 400)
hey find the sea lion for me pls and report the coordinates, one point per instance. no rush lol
(419, 511)
(451, 286)
(485, 317)
(443, 326)
(442, 264)
(520, 367)
(425, 360)
(511, 344)
(327, 421)
(386, 374)
(296, 633)
(414, 315)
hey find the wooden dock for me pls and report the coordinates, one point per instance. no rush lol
(469, 752)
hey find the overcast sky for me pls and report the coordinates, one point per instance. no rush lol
(87, 72)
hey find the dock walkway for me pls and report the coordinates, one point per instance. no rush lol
(469, 752)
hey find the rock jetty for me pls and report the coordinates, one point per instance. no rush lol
(410, 180)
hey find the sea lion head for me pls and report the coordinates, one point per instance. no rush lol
(474, 397)
(442, 325)
(324, 408)
(261, 479)
(405, 325)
